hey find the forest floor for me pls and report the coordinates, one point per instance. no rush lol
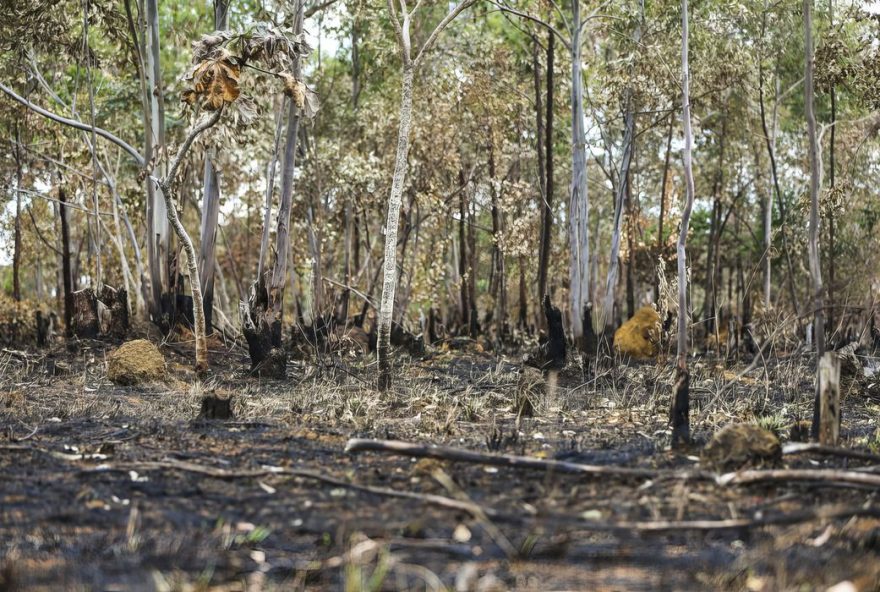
(105, 487)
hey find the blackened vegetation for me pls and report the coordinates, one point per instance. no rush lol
(215, 407)
(85, 314)
(680, 414)
(176, 309)
(262, 330)
(550, 354)
(100, 315)
(43, 324)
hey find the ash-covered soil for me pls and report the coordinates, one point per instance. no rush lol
(105, 487)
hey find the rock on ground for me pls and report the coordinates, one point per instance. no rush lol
(135, 362)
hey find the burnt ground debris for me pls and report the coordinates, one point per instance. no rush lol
(93, 496)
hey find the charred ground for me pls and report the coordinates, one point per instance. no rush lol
(109, 487)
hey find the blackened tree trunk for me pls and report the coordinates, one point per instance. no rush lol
(547, 210)
(210, 215)
(831, 179)
(65, 264)
(261, 316)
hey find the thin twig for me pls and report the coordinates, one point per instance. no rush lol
(503, 460)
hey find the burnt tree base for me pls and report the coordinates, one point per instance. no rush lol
(262, 331)
(679, 415)
(214, 407)
(550, 354)
(84, 323)
(116, 302)
(104, 314)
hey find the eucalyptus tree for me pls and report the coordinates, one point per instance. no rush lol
(572, 37)
(680, 412)
(411, 58)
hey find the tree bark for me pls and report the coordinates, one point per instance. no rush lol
(831, 164)
(579, 203)
(546, 177)
(660, 239)
(65, 263)
(813, 245)
(208, 236)
(679, 415)
(210, 201)
(619, 198)
(389, 283)
(16, 253)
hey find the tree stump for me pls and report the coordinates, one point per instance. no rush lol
(42, 323)
(214, 407)
(262, 331)
(829, 399)
(85, 314)
(116, 302)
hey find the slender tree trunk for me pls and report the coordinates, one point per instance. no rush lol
(462, 252)
(813, 246)
(831, 163)
(65, 264)
(267, 212)
(619, 198)
(211, 201)
(770, 140)
(663, 182)
(16, 253)
(680, 414)
(579, 203)
(208, 236)
(389, 283)
(547, 180)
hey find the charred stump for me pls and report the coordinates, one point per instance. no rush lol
(100, 315)
(262, 331)
(550, 354)
(216, 407)
(42, 323)
(679, 415)
(116, 302)
(590, 340)
(85, 322)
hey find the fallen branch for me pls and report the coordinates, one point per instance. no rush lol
(822, 513)
(188, 467)
(476, 511)
(821, 475)
(501, 460)
(801, 447)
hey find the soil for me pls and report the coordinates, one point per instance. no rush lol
(106, 487)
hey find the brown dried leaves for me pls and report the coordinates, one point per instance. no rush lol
(214, 82)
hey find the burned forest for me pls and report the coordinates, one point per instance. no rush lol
(459, 295)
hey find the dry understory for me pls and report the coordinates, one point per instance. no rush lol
(105, 487)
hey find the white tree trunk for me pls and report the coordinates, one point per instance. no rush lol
(389, 281)
(623, 180)
(689, 186)
(815, 267)
(579, 203)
